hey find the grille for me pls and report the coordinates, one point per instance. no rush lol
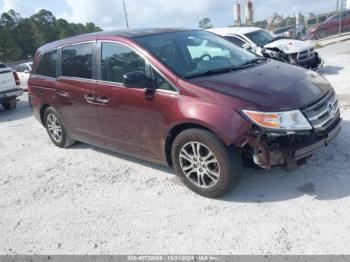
(306, 54)
(323, 113)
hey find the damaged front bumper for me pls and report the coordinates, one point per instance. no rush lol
(288, 150)
(314, 63)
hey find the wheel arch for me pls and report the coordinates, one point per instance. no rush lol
(180, 127)
(42, 112)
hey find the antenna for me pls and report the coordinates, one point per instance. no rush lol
(126, 16)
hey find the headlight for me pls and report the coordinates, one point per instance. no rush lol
(289, 120)
(312, 30)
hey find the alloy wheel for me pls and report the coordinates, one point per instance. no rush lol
(199, 165)
(54, 128)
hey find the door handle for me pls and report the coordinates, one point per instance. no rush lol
(90, 98)
(102, 100)
(62, 93)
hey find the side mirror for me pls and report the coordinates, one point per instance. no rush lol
(136, 79)
(26, 71)
(247, 46)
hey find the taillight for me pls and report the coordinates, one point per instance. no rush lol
(16, 78)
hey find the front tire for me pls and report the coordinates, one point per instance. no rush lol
(204, 163)
(55, 129)
(10, 104)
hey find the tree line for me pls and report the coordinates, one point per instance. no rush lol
(206, 23)
(20, 37)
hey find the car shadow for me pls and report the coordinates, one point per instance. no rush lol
(22, 111)
(331, 70)
(82, 146)
(326, 175)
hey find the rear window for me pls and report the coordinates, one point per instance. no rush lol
(3, 66)
(282, 30)
(260, 37)
(20, 68)
(47, 65)
(77, 61)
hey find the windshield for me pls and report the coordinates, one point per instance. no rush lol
(194, 53)
(260, 37)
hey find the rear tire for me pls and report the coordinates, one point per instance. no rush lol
(55, 129)
(10, 104)
(322, 34)
(207, 176)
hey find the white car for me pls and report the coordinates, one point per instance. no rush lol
(264, 43)
(9, 90)
(23, 71)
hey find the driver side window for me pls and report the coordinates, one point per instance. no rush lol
(117, 60)
(161, 82)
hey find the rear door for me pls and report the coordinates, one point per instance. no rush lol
(76, 92)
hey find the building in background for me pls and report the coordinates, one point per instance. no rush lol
(249, 12)
(237, 14)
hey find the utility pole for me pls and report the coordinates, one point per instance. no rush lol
(126, 16)
(341, 5)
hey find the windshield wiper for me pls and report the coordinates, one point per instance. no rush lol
(224, 70)
(257, 60)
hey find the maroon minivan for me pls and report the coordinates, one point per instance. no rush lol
(185, 98)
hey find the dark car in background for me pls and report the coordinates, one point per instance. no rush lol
(330, 26)
(185, 98)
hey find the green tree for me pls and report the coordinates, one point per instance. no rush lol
(43, 27)
(19, 38)
(8, 46)
(10, 19)
(205, 23)
(23, 35)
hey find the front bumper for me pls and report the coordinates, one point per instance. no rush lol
(289, 150)
(314, 63)
(5, 95)
(306, 151)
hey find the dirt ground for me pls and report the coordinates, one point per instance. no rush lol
(85, 200)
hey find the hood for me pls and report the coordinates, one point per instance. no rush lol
(290, 46)
(270, 86)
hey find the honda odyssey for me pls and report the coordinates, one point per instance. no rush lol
(185, 98)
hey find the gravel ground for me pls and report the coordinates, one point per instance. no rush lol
(85, 200)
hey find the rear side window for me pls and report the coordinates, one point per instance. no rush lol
(117, 60)
(3, 66)
(47, 65)
(77, 61)
(235, 40)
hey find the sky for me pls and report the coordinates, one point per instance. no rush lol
(109, 14)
